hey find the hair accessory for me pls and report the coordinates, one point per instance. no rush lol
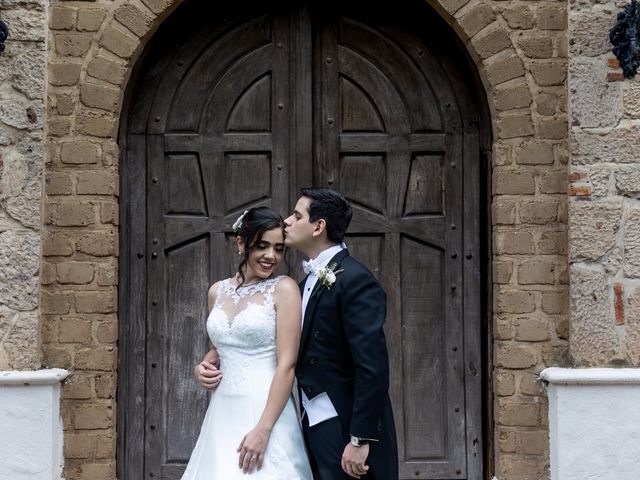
(238, 223)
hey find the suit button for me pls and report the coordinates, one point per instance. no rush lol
(316, 334)
(312, 361)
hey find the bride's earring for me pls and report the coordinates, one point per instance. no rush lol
(240, 252)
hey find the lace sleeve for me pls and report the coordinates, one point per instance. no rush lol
(217, 292)
(272, 288)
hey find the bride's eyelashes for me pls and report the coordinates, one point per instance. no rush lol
(264, 245)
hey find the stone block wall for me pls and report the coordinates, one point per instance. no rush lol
(604, 191)
(22, 78)
(80, 247)
(529, 215)
(520, 50)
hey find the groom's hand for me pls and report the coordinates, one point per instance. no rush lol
(208, 375)
(353, 459)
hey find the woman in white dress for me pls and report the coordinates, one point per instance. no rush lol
(251, 425)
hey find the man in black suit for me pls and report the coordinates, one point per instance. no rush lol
(343, 366)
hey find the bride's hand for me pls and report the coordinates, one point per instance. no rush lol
(252, 449)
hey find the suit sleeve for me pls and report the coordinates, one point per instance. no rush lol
(363, 309)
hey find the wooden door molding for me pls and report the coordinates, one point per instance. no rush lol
(206, 138)
(399, 137)
(243, 109)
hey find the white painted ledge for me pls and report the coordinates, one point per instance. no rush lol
(50, 376)
(593, 423)
(591, 376)
(30, 425)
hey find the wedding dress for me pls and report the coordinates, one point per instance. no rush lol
(242, 326)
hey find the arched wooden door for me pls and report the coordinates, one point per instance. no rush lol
(238, 108)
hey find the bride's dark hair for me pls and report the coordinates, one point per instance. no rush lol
(255, 223)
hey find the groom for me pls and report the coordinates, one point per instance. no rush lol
(343, 367)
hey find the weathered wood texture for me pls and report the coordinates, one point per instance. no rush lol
(242, 110)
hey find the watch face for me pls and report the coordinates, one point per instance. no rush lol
(358, 442)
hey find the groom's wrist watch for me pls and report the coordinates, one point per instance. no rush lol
(358, 442)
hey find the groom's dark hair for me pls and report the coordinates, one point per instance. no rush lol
(331, 206)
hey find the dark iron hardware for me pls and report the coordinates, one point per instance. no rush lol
(4, 33)
(624, 38)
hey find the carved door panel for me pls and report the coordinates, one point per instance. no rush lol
(392, 142)
(235, 109)
(214, 139)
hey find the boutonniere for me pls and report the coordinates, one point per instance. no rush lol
(326, 277)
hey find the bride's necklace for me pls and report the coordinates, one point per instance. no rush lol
(255, 282)
(246, 290)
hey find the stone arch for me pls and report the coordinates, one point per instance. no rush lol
(483, 32)
(95, 50)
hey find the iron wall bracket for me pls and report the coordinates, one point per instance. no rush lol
(624, 38)
(4, 33)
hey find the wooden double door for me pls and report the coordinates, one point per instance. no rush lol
(241, 106)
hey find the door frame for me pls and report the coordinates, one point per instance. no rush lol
(132, 285)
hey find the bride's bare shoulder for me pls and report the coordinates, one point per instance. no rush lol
(287, 285)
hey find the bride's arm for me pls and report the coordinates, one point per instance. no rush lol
(206, 371)
(288, 311)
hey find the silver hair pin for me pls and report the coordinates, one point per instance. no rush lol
(238, 223)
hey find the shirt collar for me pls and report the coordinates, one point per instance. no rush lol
(323, 258)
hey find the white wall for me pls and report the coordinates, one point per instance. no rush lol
(30, 425)
(594, 423)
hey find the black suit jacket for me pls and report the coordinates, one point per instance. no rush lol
(343, 349)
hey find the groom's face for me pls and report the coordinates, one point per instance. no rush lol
(298, 230)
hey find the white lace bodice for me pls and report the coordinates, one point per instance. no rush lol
(242, 326)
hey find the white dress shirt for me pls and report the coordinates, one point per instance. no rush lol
(319, 408)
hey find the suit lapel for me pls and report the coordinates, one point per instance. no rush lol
(308, 315)
(301, 285)
(313, 301)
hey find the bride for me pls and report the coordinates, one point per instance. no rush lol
(251, 426)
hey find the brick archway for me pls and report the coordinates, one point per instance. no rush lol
(520, 55)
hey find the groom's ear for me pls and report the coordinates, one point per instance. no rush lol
(320, 227)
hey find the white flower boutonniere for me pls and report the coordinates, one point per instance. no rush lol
(326, 276)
